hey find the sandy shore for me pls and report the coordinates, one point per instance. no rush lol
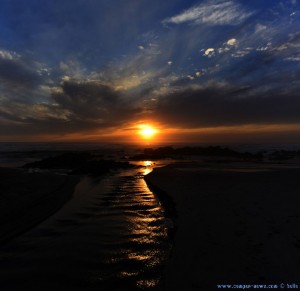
(235, 225)
(26, 199)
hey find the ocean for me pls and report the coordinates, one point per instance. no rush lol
(16, 154)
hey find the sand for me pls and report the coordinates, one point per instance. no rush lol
(236, 225)
(26, 199)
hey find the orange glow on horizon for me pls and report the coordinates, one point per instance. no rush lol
(147, 131)
(154, 133)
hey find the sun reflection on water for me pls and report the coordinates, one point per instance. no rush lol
(143, 284)
(147, 230)
(147, 163)
(148, 167)
(144, 243)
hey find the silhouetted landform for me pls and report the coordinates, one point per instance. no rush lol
(29, 198)
(210, 151)
(284, 155)
(79, 163)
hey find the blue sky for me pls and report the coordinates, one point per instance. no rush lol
(89, 67)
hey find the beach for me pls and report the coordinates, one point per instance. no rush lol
(29, 198)
(236, 224)
(111, 234)
(231, 223)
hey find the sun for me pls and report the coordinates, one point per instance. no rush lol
(147, 131)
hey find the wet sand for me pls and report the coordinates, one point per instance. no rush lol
(26, 199)
(235, 225)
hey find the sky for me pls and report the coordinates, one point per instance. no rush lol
(197, 71)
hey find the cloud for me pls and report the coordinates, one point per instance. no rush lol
(92, 100)
(75, 106)
(18, 71)
(212, 12)
(210, 52)
(6, 55)
(232, 42)
(240, 53)
(105, 70)
(222, 104)
(260, 28)
(293, 59)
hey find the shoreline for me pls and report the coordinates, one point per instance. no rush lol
(234, 226)
(113, 228)
(27, 199)
(228, 223)
(168, 204)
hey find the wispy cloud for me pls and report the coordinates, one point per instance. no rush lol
(212, 12)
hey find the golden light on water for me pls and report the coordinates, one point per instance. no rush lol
(147, 163)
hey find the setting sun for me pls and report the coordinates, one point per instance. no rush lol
(147, 131)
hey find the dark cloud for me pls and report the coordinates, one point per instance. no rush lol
(18, 72)
(94, 101)
(76, 106)
(86, 106)
(222, 105)
(87, 99)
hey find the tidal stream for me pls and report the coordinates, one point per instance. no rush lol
(111, 235)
